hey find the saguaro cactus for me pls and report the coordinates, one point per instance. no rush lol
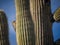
(24, 24)
(40, 12)
(4, 39)
(56, 15)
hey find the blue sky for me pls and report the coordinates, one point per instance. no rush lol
(56, 26)
(9, 8)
